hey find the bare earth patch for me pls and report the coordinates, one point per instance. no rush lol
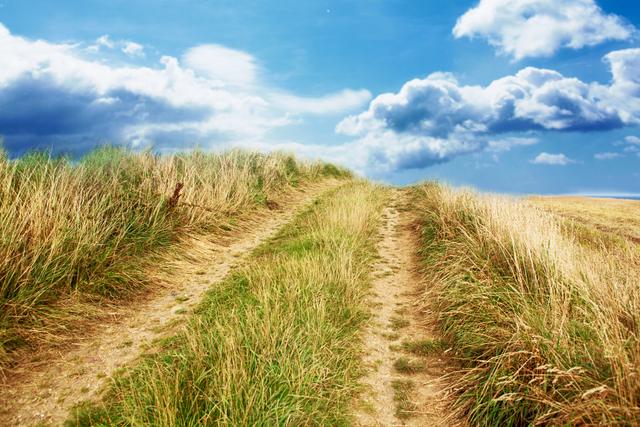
(43, 388)
(402, 387)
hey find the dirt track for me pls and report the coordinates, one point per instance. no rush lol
(396, 293)
(43, 391)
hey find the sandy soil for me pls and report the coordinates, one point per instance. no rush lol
(396, 293)
(41, 391)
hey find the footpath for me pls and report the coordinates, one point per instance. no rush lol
(404, 385)
(43, 390)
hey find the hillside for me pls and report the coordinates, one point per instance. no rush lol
(540, 311)
(248, 289)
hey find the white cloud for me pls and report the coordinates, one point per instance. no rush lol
(379, 154)
(552, 159)
(133, 49)
(607, 156)
(130, 48)
(446, 119)
(389, 151)
(630, 149)
(104, 41)
(533, 99)
(633, 140)
(506, 144)
(219, 63)
(63, 97)
(534, 28)
(338, 102)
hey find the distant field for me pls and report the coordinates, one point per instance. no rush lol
(616, 216)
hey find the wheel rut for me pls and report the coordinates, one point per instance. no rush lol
(401, 387)
(42, 389)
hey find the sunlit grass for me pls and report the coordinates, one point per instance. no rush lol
(595, 220)
(275, 343)
(72, 235)
(545, 326)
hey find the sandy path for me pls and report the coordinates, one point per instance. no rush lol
(44, 391)
(396, 293)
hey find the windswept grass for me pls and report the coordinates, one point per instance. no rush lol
(595, 218)
(547, 328)
(275, 343)
(72, 236)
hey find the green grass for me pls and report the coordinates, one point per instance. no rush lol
(276, 342)
(406, 366)
(404, 407)
(398, 323)
(127, 343)
(392, 336)
(75, 235)
(426, 347)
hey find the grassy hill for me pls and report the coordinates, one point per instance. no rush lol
(537, 303)
(542, 313)
(75, 236)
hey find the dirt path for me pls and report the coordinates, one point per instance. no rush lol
(394, 395)
(44, 391)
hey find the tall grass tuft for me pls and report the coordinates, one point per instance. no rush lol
(71, 233)
(547, 328)
(276, 342)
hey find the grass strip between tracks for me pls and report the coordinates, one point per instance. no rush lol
(273, 344)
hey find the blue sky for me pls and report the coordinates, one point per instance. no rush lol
(524, 96)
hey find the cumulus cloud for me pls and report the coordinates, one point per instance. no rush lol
(506, 144)
(104, 41)
(633, 140)
(552, 159)
(607, 156)
(50, 94)
(232, 68)
(630, 149)
(133, 49)
(379, 154)
(534, 28)
(338, 102)
(219, 63)
(437, 118)
(129, 48)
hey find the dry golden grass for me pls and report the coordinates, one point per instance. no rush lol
(75, 236)
(275, 343)
(547, 327)
(615, 216)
